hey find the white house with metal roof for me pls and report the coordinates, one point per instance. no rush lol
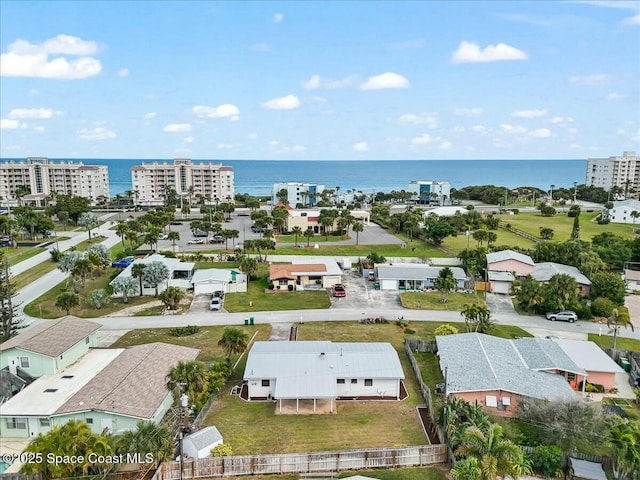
(180, 273)
(322, 370)
(210, 280)
(545, 270)
(497, 373)
(414, 276)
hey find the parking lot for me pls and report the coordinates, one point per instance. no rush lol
(361, 294)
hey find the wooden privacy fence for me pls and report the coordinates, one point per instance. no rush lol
(304, 462)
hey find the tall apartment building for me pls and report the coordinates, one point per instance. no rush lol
(614, 171)
(430, 191)
(306, 194)
(150, 181)
(43, 177)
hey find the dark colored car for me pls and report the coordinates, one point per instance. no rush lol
(176, 223)
(562, 315)
(123, 262)
(199, 233)
(216, 239)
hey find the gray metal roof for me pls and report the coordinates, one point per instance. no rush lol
(500, 276)
(52, 338)
(205, 437)
(543, 272)
(478, 362)
(545, 354)
(503, 255)
(309, 369)
(587, 470)
(415, 271)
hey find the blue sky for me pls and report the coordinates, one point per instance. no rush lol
(319, 80)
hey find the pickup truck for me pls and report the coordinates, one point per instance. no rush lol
(338, 291)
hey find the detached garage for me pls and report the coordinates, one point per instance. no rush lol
(218, 279)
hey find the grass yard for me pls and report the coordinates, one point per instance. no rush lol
(256, 299)
(416, 473)
(562, 225)
(302, 240)
(206, 339)
(505, 237)
(606, 341)
(208, 265)
(431, 300)
(17, 255)
(34, 273)
(421, 250)
(429, 368)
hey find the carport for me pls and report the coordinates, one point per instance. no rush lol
(314, 387)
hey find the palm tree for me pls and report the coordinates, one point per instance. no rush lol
(190, 377)
(137, 271)
(357, 227)
(121, 230)
(173, 236)
(296, 232)
(619, 318)
(20, 192)
(467, 469)
(445, 283)
(233, 341)
(480, 236)
(308, 233)
(623, 437)
(147, 438)
(495, 455)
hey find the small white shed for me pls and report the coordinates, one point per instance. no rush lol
(200, 443)
(211, 280)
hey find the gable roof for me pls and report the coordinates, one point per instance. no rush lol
(215, 275)
(309, 369)
(415, 271)
(543, 272)
(588, 356)
(133, 384)
(299, 267)
(477, 362)
(205, 438)
(52, 338)
(544, 354)
(503, 255)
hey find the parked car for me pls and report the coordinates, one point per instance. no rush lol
(199, 233)
(195, 241)
(176, 223)
(338, 291)
(562, 315)
(215, 304)
(163, 236)
(257, 229)
(123, 262)
(218, 294)
(216, 239)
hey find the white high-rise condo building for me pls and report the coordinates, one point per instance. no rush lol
(306, 194)
(429, 191)
(43, 177)
(622, 172)
(188, 178)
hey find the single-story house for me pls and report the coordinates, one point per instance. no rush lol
(322, 370)
(504, 267)
(414, 276)
(218, 279)
(305, 275)
(200, 443)
(180, 273)
(545, 270)
(497, 373)
(110, 388)
(585, 470)
(600, 368)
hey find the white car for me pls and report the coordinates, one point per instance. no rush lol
(195, 241)
(163, 236)
(216, 303)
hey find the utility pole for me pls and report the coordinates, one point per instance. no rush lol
(184, 403)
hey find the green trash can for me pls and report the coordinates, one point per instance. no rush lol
(250, 320)
(246, 321)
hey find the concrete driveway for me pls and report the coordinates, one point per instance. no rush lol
(360, 294)
(500, 304)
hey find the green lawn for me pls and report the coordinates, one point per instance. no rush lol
(257, 299)
(17, 255)
(302, 240)
(34, 273)
(208, 265)
(429, 368)
(421, 250)
(431, 300)
(206, 339)
(606, 341)
(416, 473)
(562, 225)
(505, 237)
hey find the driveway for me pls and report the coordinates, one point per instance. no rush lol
(200, 304)
(500, 304)
(361, 294)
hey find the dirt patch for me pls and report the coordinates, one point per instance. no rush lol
(130, 311)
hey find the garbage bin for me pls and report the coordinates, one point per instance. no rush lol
(250, 320)
(246, 321)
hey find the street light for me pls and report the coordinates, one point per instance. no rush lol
(184, 403)
(551, 193)
(575, 192)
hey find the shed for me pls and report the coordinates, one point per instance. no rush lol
(199, 444)
(585, 470)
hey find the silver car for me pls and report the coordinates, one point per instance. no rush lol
(562, 315)
(216, 303)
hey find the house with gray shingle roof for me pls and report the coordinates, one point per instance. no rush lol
(414, 276)
(545, 270)
(497, 372)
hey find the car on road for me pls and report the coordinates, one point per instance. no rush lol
(562, 315)
(176, 223)
(215, 304)
(123, 262)
(338, 290)
(257, 229)
(195, 241)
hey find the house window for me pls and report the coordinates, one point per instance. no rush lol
(266, 383)
(341, 380)
(368, 382)
(86, 341)
(571, 376)
(89, 421)
(506, 401)
(354, 380)
(491, 401)
(45, 422)
(17, 423)
(24, 362)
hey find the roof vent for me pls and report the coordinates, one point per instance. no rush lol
(67, 377)
(322, 354)
(51, 390)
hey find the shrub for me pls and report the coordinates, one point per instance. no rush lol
(184, 331)
(55, 254)
(445, 330)
(547, 459)
(602, 307)
(168, 253)
(270, 286)
(594, 388)
(401, 322)
(98, 298)
(222, 450)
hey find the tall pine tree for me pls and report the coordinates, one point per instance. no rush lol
(575, 231)
(10, 322)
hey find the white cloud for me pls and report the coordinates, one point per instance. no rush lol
(261, 47)
(469, 52)
(252, 136)
(14, 147)
(177, 127)
(11, 124)
(407, 45)
(430, 119)
(274, 143)
(423, 139)
(479, 129)
(317, 99)
(540, 133)
(562, 120)
(278, 17)
(316, 81)
(226, 110)
(225, 146)
(150, 115)
(446, 145)
(97, 133)
(529, 113)
(24, 59)
(595, 80)
(189, 139)
(295, 148)
(38, 128)
(33, 92)
(506, 128)
(123, 72)
(39, 113)
(361, 147)
(385, 80)
(613, 96)
(289, 102)
(635, 20)
(468, 112)
(458, 129)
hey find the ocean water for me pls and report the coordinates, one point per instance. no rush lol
(256, 177)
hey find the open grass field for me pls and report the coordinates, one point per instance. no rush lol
(206, 339)
(302, 240)
(421, 250)
(606, 341)
(431, 300)
(505, 237)
(17, 255)
(562, 225)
